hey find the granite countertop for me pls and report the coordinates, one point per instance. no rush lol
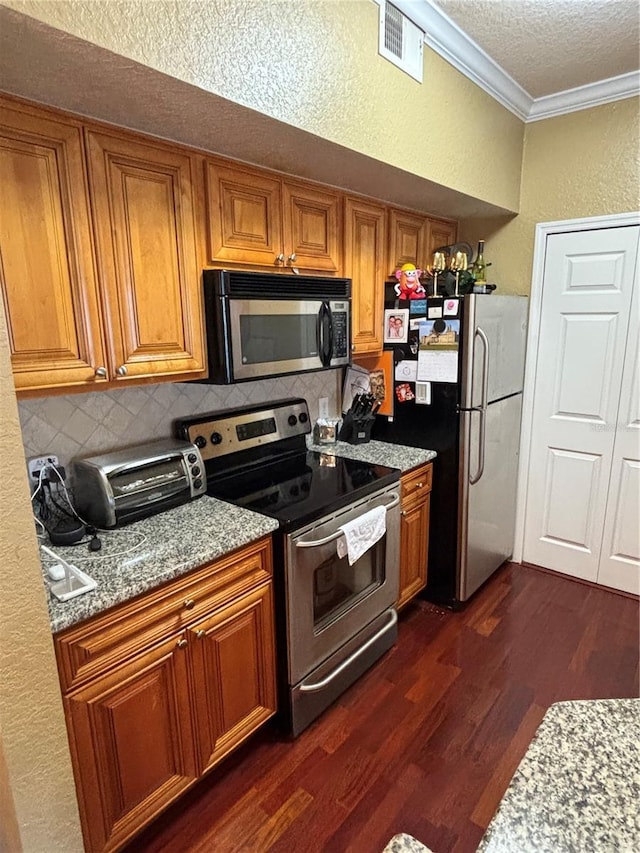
(379, 453)
(577, 787)
(141, 556)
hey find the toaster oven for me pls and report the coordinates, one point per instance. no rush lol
(127, 485)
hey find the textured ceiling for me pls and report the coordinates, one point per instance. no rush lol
(549, 46)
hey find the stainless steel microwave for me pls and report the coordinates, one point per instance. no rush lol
(268, 324)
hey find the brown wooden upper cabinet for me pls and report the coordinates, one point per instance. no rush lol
(147, 261)
(80, 314)
(440, 233)
(47, 272)
(364, 249)
(257, 219)
(413, 238)
(407, 240)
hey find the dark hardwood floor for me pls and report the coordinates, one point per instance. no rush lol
(427, 741)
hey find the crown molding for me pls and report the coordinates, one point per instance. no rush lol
(583, 97)
(450, 42)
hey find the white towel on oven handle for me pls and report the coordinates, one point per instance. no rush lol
(361, 533)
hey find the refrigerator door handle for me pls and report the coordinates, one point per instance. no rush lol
(473, 478)
(479, 333)
(482, 409)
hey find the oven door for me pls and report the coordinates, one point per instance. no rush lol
(278, 336)
(329, 601)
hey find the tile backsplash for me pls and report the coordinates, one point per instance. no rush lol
(101, 421)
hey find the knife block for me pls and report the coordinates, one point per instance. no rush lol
(356, 430)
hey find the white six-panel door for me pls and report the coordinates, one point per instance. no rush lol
(581, 465)
(620, 553)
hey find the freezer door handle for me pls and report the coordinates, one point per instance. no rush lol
(479, 333)
(482, 409)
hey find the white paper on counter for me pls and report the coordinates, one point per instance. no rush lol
(406, 371)
(437, 366)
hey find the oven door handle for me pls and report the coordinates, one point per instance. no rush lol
(338, 533)
(319, 685)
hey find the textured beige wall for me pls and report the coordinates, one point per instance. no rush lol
(37, 793)
(314, 65)
(582, 164)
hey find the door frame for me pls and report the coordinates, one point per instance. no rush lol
(544, 230)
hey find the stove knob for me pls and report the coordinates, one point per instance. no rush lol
(200, 441)
(304, 417)
(195, 471)
(192, 458)
(197, 484)
(216, 438)
(292, 420)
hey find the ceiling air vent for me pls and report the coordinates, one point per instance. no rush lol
(400, 40)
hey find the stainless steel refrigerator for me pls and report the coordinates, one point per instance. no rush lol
(470, 415)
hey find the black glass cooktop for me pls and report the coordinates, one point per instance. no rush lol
(301, 487)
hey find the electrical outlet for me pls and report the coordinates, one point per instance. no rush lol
(323, 407)
(36, 463)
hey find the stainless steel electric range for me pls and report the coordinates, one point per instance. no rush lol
(334, 618)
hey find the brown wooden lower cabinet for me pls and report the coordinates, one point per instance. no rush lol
(145, 725)
(414, 532)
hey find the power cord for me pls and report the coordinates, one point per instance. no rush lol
(48, 500)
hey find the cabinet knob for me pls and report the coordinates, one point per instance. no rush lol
(292, 258)
(280, 258)
(201, 634)
(418, 485)
(182, 643)
(189, 603)
(101, 372)
(122, 370)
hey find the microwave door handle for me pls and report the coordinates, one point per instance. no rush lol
(325, 343)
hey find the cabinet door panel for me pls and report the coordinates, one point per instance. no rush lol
(414, 531)
(245, 219)
(234, 677)
(311, 228)
(440, 233)
(364, 263)
(143, 208)
(132, 743)
(414, 548)
(47, 270)
(407, 240)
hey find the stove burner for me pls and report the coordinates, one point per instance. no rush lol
(260, 462)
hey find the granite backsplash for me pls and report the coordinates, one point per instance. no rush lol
(101, 421)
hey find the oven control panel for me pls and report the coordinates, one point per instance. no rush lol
(219, 434)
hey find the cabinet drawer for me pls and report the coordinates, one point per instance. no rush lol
(91, 648)
(417, 482)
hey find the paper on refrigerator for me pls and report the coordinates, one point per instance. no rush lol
(438, 350)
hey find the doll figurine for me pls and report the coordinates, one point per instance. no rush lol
(409, 286)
